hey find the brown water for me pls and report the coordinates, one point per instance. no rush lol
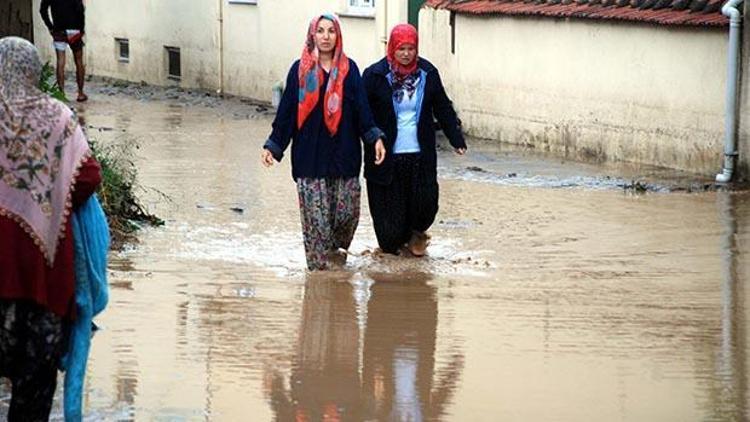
(539, 301)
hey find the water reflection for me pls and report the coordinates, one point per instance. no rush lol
(579, 312)
(399, 375)
(126, 388)
(325, 372)
(387, 372)
(729, 390)
(174, 118)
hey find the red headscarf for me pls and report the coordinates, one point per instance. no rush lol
(402, 34)
(311, 76)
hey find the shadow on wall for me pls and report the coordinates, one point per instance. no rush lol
(16, 19)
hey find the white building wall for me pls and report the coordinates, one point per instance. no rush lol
(263, 40)
(743, 138)
(149, 25)
(245, 53)
(585, 89)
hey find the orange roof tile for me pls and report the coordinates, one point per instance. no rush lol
(705, 13)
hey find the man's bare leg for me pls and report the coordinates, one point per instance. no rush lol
(80, 74)
(60, 69)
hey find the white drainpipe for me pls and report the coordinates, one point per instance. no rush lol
(730, 130)
(221, 47)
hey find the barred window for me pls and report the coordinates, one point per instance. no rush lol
(362, 6)
(174, 68)
(123, 49)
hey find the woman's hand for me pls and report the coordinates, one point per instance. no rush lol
(379, 152)
(266, 158)
(460, 151)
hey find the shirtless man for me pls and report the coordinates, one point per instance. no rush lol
(67, 29)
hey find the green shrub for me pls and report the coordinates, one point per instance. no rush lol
(124, 211)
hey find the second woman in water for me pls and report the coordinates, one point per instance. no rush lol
(405, 92)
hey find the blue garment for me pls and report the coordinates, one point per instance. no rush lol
(315, 153)
(91, 239)
(407, 116)
(433, 102)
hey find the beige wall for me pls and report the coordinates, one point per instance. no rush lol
(743, 139)
(612, 91)
(150, 25)
(552, 84)
(260, 41)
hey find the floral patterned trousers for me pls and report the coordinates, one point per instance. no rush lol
(31, 344)
(329, 211)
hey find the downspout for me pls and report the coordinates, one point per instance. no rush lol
(384, 27)
(730, 130)
(221, 47)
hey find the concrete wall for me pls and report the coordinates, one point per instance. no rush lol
(743, 141)
(585, 89)
(582, 89)
(254, 45)
(15, 19)
(262, 41)
(149, 25)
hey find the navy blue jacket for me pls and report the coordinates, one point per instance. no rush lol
(435, 103)
(315, 153)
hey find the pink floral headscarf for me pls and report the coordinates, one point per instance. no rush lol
(41, 148)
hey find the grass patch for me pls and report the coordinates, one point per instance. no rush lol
(116, 193)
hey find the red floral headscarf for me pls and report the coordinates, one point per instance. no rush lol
(402, 34)
(311, 76)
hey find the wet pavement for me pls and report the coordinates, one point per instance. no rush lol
(553, 291)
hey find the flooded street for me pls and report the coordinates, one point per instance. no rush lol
(550, 293)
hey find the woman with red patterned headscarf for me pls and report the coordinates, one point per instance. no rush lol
(324, 113)
(405, 92)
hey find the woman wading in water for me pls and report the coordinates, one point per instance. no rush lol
(324, 113)
(405, 92)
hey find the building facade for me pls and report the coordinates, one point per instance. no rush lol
(631, 80)
(648, 88)
(241, 47)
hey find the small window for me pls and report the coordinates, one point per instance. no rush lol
(174, 71)
(364, 7)
(123, 49)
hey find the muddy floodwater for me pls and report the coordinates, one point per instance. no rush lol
(552, 291)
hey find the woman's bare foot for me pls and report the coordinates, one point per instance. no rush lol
(337, 258)
(418, 243)
(82, 97)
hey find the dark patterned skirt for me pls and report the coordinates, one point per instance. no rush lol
(31, 345)
(405, 207)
